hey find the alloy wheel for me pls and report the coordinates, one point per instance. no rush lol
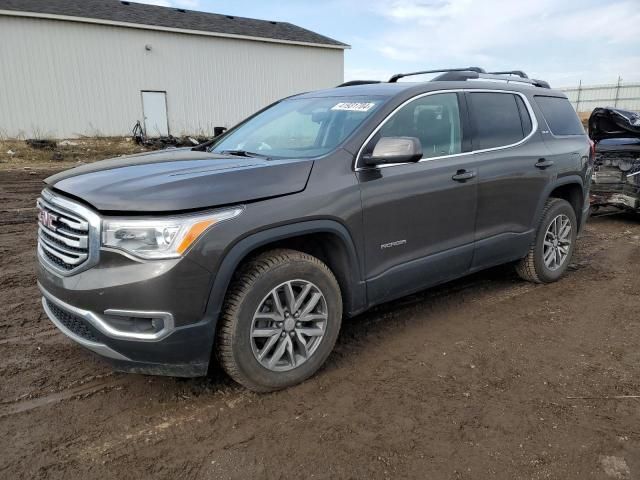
(288, 325)
(557, 242)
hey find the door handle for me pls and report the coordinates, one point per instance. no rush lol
(463, 176)
(543, 163)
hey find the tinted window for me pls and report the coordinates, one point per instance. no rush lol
(433, 119)
(560, 116)
(496, 118)
(527, 126)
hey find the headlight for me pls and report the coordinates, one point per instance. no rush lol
(163, 237)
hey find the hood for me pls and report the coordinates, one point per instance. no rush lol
(613, 123)
(179, 180)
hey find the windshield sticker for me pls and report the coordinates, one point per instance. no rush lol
(354, 107)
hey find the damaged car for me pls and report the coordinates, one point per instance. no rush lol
(616, 176)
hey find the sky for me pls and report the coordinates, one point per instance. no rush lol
(561, 41)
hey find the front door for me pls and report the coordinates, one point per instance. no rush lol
(154, 109)
(419, 217)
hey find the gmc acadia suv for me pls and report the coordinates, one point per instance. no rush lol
(256, 245)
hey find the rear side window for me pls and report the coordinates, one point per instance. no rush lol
(497, 120)
(560, 116)
(527, 126)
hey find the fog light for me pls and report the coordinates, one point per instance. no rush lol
(157, 324)
(137, 325)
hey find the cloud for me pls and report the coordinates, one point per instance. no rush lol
(188, 4)
(367, 74)
(399, 54)
(558, 39)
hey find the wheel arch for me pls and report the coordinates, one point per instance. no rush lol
(327, 240)
(572, 193)
(569, 188)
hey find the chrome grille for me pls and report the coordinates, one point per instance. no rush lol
(65, 231)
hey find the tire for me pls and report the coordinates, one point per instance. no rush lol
(533, 267)
(250, 310)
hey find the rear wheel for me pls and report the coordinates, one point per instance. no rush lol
(551, 252)
(280, 321)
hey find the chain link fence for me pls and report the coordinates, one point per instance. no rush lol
(585, 98)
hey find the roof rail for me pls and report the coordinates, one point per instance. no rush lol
(357, 82)
(519, 73)
(398, 76)
(461, 76)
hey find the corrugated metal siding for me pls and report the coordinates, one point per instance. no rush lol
(64, 79)
(586, 98)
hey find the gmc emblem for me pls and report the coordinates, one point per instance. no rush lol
(48, 219)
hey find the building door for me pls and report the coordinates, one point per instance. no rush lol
(154, 109)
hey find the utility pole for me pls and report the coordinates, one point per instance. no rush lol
(579, 92)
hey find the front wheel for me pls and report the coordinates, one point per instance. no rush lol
(280, 322)
(551, 252)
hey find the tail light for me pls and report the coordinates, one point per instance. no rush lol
(592, 151)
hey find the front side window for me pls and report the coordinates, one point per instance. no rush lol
(300, 128)
(433, 119)
(497, 120)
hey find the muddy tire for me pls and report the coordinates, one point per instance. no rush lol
(552, 249)
(280, 321)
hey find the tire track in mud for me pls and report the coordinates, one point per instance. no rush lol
(29, 338)
(167, 423)
(89, 386)
(18, 210)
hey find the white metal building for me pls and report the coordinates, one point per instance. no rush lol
(95, 67)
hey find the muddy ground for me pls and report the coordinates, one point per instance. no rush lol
(61, 154)
(486, 377)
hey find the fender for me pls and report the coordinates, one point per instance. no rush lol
(232, 258)
(566, 180)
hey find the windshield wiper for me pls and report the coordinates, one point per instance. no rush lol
(243, 153)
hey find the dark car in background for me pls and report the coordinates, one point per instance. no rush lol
(616, 177)
(316, 208)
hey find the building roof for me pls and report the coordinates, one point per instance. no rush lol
(165, 18)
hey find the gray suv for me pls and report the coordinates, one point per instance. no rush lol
(255, 246)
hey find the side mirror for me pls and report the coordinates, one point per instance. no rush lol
(394, 150)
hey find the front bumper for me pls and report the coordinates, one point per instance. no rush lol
(619, 195)
(73, 322)
(101, 309)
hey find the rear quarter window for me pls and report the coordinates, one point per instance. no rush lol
(560, 116)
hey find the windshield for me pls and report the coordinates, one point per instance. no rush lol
(299, 128)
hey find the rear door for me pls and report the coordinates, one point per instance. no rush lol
(564, 136)
(568, 144)
(512, 174)
(419, 217)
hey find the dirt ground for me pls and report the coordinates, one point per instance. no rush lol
(486, 377)
(16, 153)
